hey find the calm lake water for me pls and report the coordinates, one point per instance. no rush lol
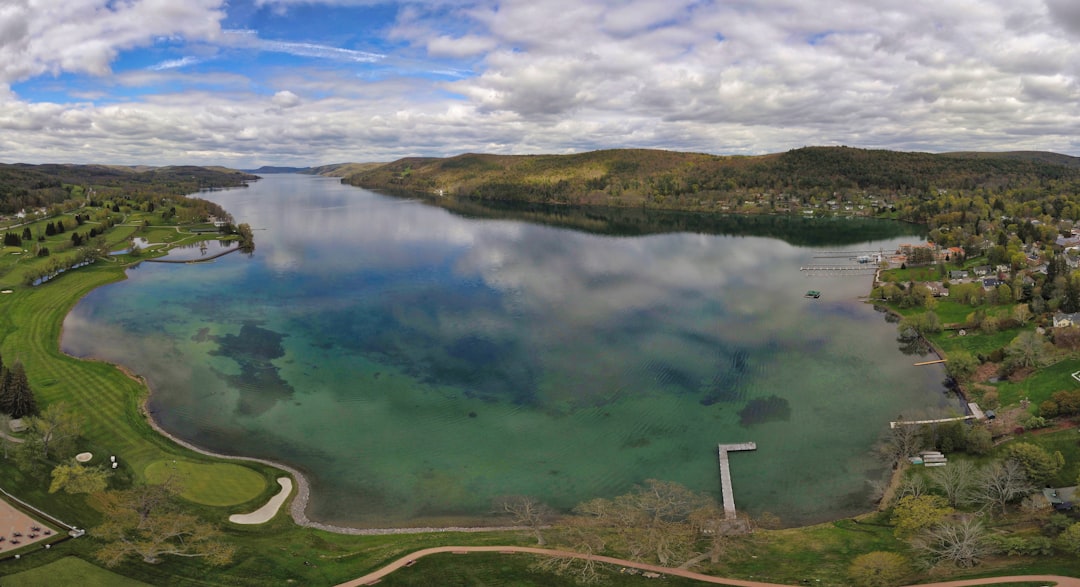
(417, 362)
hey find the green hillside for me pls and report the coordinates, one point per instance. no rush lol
(695, 181)
(30, 186)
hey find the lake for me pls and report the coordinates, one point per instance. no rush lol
(416, 362)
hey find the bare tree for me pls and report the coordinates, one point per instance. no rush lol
(526, 511)
(652, 522)
(913, 485)
(956, 480)
(1000, 483)
(962, 542)
(143, 522)
(900, 442)
(583, 570)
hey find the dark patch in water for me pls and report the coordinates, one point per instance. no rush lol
(666, 374)
(760, 410)
(259, 383)
(730, 384)
(638, 442)
(202, 335)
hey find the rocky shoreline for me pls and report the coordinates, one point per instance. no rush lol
(298, 508)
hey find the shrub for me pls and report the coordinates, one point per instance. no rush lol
(878, 569)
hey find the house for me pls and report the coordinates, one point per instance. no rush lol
(1063, 320)
(958, 274)
(1003, 268)
(981, 270)
(991, 282)
(1059, 498)
(1069, 241)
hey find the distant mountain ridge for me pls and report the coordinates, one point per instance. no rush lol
(24, 186)
(270, 169)
(697, 181)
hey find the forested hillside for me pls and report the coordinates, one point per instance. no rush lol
(691, 181)
(29, 186)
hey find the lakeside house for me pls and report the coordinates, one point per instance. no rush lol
(1063, 320)
(1059, 498)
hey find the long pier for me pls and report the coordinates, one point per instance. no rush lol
(725, 475)
(862, 267)
(976, 414)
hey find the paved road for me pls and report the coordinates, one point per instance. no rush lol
(370, 578)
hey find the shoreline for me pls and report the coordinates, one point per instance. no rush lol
(300, 501)
(298, 507)
(302, 494)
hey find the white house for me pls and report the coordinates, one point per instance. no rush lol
(1063, 320)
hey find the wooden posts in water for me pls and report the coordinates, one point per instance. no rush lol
(725, 475)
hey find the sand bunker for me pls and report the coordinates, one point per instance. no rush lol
(268, 511)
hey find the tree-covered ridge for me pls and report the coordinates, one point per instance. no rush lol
(806, 178)
(29, 186)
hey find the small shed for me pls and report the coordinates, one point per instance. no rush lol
(17, 425)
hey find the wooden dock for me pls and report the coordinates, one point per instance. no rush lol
(725, 475)
(976, 413)
(930, 362)
(862, 268)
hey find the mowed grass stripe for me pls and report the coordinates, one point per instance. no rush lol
(107, 399)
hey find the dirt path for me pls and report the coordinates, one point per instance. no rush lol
(373, 577)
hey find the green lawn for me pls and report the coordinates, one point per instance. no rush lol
(976, 342)
(213, 484)
(68, 571)
(1065, 441)
(1039, 386)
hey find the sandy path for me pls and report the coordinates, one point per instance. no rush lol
(270, 509)
(372, 577)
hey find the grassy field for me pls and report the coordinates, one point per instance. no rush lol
(1039, 386)
(213, 484)
(68, 571)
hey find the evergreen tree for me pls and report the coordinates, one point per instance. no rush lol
(27, 235)
(16, 398)
(1071, 303)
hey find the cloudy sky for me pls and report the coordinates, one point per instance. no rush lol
(300, 82)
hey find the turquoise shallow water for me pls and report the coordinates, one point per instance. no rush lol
(417, 364)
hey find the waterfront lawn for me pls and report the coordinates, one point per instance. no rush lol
(1040, 385)
(819, 554)
(976, 342)
(213, 484)
(917, 274)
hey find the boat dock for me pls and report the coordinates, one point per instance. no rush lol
(975, 413)
(725, 475)
(838, 270)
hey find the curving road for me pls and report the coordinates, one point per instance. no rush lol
(372, 577)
